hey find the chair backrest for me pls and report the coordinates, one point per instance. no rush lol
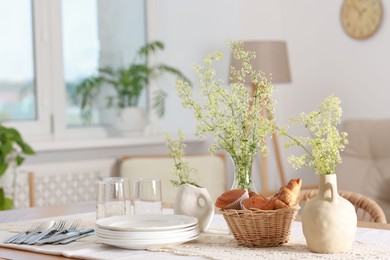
(65, 183)
(366, 209)
(366, 160)
(15, 185)
(210, 172)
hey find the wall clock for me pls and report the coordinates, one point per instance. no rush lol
(361, 18)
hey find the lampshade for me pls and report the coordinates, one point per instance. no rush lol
(271, 58)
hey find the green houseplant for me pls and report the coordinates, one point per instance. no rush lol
(12, 150)
(127, 82)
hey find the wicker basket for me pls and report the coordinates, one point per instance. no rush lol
(260, 228)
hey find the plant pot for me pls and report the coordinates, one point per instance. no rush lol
(328, 220)
(196, 202)
(131, 120)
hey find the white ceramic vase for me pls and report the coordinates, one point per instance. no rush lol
(328, 220)
(196, 202)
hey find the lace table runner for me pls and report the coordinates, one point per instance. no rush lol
(218, 244)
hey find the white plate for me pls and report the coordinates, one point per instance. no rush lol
(153, 222)
(146, 235)
(144, 244)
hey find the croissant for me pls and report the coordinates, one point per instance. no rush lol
(289, 194)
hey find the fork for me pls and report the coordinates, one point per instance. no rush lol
(61, 234)
(20, 235)
(57, 226)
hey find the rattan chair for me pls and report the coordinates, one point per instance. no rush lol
(366, 209)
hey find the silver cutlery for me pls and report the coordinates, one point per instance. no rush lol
(51, 232)
(19, 235)
(61, 234)
(41, 227)
(71, 239)
(57, 226)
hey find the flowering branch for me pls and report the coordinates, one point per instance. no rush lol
(181, 168)
(231, 114)
(322, 147)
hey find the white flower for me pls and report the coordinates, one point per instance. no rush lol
(232, 114)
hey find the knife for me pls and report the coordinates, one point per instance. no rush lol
(59, 237)
(69, 240)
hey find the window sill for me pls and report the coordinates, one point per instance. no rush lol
(108, 142)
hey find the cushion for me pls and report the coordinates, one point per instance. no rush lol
(366, 160)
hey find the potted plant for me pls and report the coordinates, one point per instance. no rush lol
(191, 199)
(12, 149)
(232, 114)
(127, 83)
(328, 220)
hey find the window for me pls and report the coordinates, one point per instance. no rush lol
(80, 41)
(17, 78)
(50, 46)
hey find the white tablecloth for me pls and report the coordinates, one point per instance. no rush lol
(215, 244)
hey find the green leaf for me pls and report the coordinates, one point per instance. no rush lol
(26, 149)
(3, 167)
(6, 148)
(5, 203)
(19, 160)
(151, 47)
(87, 89)
(173, 71)
(159, 102)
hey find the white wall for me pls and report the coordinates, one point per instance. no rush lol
(323, 58)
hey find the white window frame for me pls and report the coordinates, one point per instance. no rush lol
(50, 124)
(39, 128)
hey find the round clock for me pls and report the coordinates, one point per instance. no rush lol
(361, 18)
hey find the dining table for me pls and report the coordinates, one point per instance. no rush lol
(372, 240)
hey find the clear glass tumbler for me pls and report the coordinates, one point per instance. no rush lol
(113, 197)
(147, 196)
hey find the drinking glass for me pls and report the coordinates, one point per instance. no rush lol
(113, 197)
(147, 196)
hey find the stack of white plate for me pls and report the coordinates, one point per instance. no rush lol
(146, 231)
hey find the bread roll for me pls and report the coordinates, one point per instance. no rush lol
(231, 199)
(257, 202)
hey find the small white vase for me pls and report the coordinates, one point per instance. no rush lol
(131, 120)
(196, 202)
(328, 220)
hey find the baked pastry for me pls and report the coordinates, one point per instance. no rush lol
(252, 193)
(289, 194)
(277, 203)
(257, 202)
(231, 199)
(242, 199)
